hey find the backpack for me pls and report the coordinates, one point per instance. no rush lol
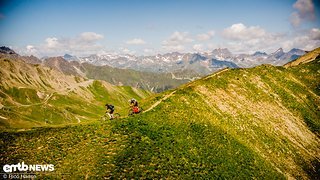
(134, 102)
(111, 107)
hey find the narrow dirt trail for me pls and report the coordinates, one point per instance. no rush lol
(67, 89)
(217, 73)
(158, 102)
(1, 117)
(171, 94)
(83, 84)
(35, 104)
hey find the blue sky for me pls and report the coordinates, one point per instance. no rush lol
(56, 27)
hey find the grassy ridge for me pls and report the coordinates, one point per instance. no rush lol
(186, 150)
(24, 109)
(118, 96)
(260, 123)
(135, 148)
(240, 124)
(76, 151)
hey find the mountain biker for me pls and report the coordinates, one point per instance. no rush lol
(134, 106)
(110, 110)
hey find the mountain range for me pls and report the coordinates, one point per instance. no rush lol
(160, 72)
(155, 82)
(202, 63)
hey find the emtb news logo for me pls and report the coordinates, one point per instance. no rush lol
(24, 167)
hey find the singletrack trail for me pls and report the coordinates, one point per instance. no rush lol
(158, 102)
(66, 89)
(217, 73)
(35, 104)
(171, 94)
(74, 86)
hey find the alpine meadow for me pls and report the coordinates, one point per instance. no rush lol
(159, 90)
(246, 123)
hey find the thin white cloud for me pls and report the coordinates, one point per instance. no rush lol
(211, 46)
(136, 41)
(241, 32)
(314, 34)
(174, 48)
(90, 37)
(295, 19)
(205, 36)
(198, 47)
(178, 38)
(83, 44)
(177, 41)
(149, 51)
(241, 38)
(124, 50)
(307, 41)
(52, 42)
(304, 12)
(31, 50)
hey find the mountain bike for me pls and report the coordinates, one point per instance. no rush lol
(107, 116)
(131, 112)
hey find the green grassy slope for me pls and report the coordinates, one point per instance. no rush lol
(34, 96)
(310, 56)
(258, 123)
(242, 123)
(156, 82)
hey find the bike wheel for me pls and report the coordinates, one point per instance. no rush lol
(116, 115)
(103, 118)
(130, 113)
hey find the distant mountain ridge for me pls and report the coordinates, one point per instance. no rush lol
(6, 50)
(202, 63)
(172, 69)
(155, 82)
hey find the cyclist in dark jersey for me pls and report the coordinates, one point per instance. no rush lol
(110, 110)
